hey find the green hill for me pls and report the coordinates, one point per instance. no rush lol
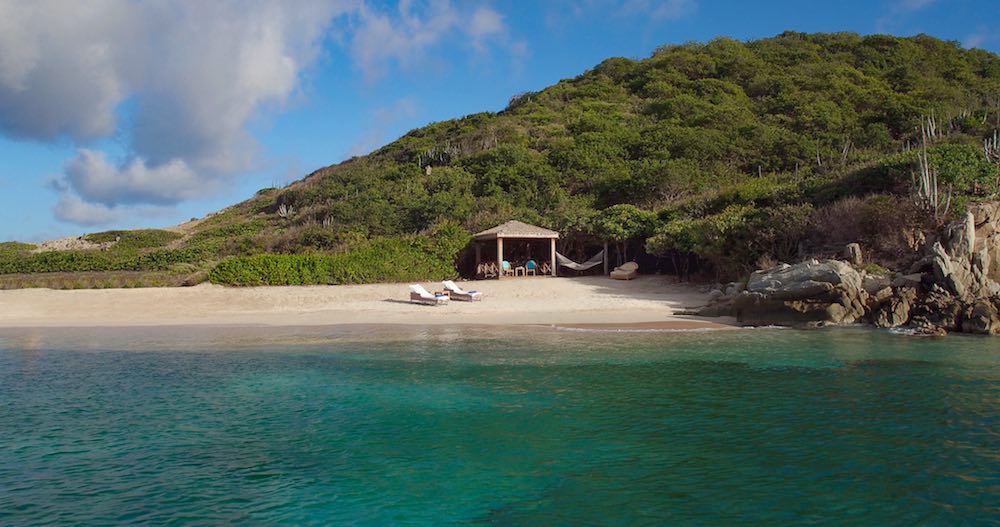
(705, 158)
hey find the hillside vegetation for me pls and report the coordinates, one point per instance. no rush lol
(703, 158)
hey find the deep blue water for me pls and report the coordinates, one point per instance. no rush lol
(368, 426)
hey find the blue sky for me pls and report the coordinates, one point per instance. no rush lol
(129, 115)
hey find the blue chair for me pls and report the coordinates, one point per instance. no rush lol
(532, 267)
(506, 269)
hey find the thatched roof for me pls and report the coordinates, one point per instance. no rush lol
(515, 229)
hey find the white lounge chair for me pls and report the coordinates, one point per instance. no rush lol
(422, 296)
(625, 271)
(460, 294)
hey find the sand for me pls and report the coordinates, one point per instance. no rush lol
(589, 302)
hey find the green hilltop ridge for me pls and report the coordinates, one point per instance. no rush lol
(706, 159)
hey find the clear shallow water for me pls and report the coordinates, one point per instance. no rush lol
(366, 426)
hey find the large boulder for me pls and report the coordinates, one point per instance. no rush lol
(810, 292)
(964, 262)
(892, 314)
(953, 273)
(960, 237)
(986, 217)
(981, 317)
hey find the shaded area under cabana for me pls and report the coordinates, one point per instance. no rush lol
(520, 238)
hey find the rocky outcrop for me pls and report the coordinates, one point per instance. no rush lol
(981, 317)
(937, 309)
(964, 260)
(954, 287)
(895, 310)
(810, 292)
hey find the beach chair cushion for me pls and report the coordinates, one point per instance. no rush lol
(625, 271)
(419, 294)
(459, 293)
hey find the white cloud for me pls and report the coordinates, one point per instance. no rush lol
(980, 37)
(899, 10)
(484, 24)
(71, 209)
(382, 118)
(187, 75)
(91, 176)
(176, 83)
(381, 39)
(914, 5)
(562, 13)
(660, 9)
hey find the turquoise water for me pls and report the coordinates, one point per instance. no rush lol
(367, 426)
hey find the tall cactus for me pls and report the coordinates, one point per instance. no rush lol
(991, 147)
(925, 183)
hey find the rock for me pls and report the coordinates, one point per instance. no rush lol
(876, 300)
(964, 262)
(927, 329)
(985, 213)
(723, 309)
(986, 217)
(960, 237)
(852, 253)
(894, 313)
(874, 283)
(733, 288)
(982, 318)
(909, 280)
(810, 292)
(923, 265)
(714, 295)
(938, 308)
(952, 273)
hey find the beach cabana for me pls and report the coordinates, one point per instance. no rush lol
(514, 230)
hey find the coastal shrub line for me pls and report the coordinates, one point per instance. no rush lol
(390, 259)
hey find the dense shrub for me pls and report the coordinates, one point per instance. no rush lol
(395, 259)
(13, 249)
(137, 239)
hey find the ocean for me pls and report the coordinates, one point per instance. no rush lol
(374, 425)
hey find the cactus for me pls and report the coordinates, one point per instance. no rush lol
(927, 193)
(991, 147)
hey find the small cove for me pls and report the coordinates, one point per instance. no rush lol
(377, 425)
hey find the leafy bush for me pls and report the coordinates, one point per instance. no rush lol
(964, 168)
(137, 239)
(12, 249)
(391, 259)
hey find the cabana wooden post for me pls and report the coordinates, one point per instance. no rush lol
(515, 230)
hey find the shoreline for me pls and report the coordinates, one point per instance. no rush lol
(595, 303)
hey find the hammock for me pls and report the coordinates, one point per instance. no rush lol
(594, 261)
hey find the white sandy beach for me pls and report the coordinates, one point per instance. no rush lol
(647, 302)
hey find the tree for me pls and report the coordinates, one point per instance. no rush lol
(621, 223)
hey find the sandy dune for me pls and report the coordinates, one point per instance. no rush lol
(648, 301)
